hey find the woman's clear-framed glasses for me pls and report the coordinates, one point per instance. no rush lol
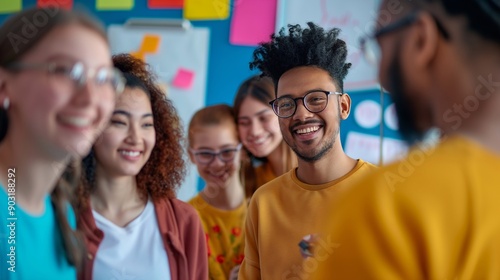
(77, 73)
(314, 101)
(205, 156)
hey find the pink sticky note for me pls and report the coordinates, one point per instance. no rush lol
(183, 78)
(253, 22)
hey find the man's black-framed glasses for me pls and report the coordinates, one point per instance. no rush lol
(205, 156)
(314, 101)
(369, 45)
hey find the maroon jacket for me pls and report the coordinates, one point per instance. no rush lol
(182, 236)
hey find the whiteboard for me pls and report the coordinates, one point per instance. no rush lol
(355, 18)
(178, 49)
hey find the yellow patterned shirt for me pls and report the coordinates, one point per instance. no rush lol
(224, 233)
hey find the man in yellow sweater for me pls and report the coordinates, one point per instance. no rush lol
(434, 215)
(284, 230)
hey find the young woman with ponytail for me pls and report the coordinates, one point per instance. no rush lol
(57, 89)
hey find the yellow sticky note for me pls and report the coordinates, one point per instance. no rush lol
(114, 4)
(206, 9)
(10, 6)
(150, 44)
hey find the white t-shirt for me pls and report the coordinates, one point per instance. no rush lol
(133, 252)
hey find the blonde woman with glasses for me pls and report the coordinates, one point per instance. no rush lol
(215, 149)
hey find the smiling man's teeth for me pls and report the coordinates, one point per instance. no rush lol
(308, 130)
(130, 153)
(76, 121)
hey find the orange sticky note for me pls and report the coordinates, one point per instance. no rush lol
(150, 44)
(183, 78)
(138, 55)
(63, 4)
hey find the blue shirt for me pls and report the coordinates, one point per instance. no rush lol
(31, 247)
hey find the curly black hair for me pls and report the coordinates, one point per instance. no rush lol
(311, 46)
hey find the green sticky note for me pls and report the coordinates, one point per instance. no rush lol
(114, 4)
(10, 6)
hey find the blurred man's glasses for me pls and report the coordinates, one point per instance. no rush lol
(314, 101)
(78, 74)
(369, 45)
(205, 157)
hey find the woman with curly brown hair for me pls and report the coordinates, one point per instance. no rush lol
(133, 224)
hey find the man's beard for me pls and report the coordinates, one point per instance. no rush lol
(324, 149)
(404, 111)
(319, 154)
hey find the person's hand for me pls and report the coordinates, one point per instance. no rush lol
(234, 273)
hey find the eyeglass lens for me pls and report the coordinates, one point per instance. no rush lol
(314, 102)
(103, 76)
(208, 156)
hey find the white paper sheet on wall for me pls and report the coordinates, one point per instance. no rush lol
(367, 147)
(355, 18)
(179, 57)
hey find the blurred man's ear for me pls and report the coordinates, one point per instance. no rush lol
(425, 40)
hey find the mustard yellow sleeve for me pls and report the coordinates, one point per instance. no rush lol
(250, 268)
(397, 224)
(372, 242)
